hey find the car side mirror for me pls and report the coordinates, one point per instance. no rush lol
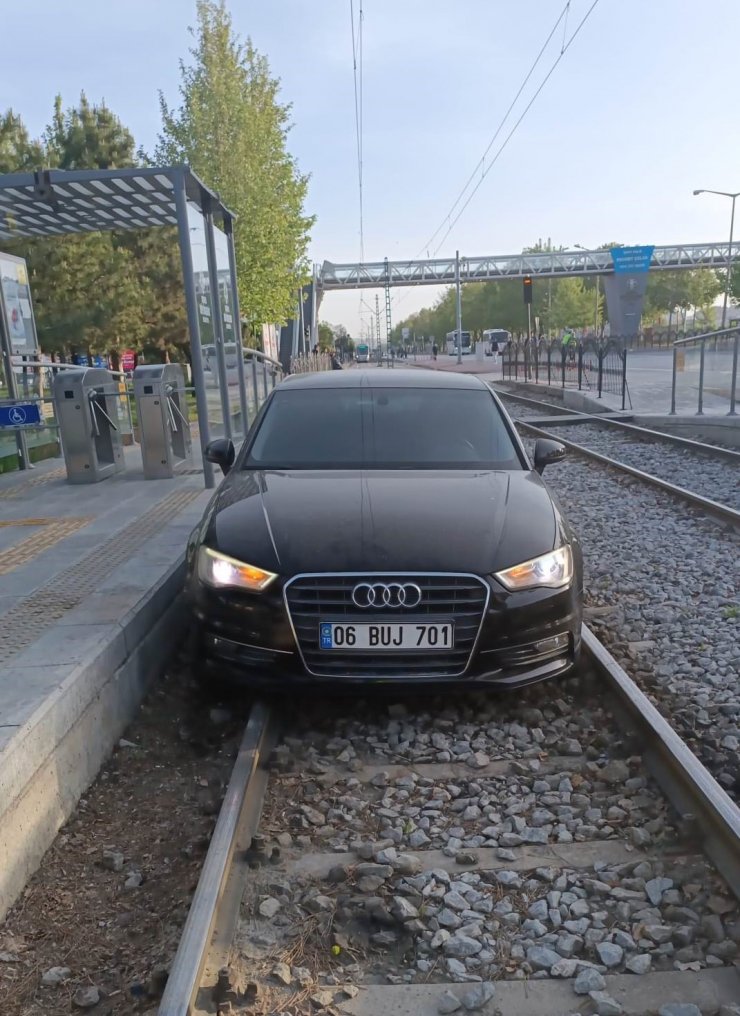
(546, 452)
(222, 453)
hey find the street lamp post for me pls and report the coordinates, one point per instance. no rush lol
(733, 195)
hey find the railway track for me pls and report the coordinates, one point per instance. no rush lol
(556, 852)
(708, 474)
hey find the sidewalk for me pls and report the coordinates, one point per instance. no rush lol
(90, 578)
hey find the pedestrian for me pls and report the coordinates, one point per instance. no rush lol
(569, 344)
(435, 350)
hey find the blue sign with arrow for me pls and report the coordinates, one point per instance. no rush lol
(24, 414)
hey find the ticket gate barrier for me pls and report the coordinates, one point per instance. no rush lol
(86, 402)
(164, 428)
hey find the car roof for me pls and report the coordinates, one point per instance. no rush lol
(384, 378)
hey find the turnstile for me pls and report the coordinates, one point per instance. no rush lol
(164, 428)
(86, 403)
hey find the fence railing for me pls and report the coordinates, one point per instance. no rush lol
(34, 378)
(715, 356)
(309, 363)
(595, 365)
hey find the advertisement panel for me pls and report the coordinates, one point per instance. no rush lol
(15, 305)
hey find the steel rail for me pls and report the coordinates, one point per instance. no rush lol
(603, 420)
(183, 983)
(713, 508)
(705, 809)
(713, 818)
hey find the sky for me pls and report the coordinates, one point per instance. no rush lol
(639, 112)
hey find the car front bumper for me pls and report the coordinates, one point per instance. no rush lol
(524, 638)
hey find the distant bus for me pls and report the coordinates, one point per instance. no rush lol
(495, 340)
(363, 353)
(467, 342)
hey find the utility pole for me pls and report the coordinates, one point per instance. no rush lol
(377, 319)
(459, 306)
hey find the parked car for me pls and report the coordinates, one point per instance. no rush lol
(385, 527)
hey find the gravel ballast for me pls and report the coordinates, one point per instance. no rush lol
(715, 478)
(662, 593)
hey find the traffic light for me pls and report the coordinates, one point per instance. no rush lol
(527, 288)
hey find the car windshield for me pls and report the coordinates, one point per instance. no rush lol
(383, 428)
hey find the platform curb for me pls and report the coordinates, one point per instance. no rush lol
(55, 755)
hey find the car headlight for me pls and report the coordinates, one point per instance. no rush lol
(551, 570)
(221, 571)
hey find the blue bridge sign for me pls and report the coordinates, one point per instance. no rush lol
(631, 260)
(24, 414)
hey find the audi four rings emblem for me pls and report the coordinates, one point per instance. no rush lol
(378, 594)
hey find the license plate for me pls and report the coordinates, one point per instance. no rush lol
(380, 637)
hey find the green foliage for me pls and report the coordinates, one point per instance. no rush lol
(18, 154)
(682, 290)
(326, 336)
(232, 129)
(87, 137)
(558, 304)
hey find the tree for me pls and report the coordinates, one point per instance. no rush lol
(326, 336)
(232, 129)
(572, 305)
(87, 137)
(18, 154)
(680, 291)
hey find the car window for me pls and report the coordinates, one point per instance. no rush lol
(401, 428)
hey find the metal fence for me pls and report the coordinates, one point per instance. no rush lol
(708, 363)
(309, 363)
(595, 365)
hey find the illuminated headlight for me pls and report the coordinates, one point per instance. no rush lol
(221, 571)
(551, 571)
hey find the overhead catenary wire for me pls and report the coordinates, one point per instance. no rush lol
(481, 162)
(566, 46)
(480, 165)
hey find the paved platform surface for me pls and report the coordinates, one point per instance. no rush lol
(87, 574)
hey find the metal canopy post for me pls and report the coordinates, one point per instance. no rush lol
(243, 402)
(191, 304)
(218, 324)
(314, 311)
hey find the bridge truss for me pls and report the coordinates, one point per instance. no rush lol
(547, 265)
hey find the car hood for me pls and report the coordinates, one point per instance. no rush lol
(399, 520)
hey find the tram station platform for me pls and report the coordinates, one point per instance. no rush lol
(90, 577)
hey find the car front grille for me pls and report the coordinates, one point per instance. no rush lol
(461, 599)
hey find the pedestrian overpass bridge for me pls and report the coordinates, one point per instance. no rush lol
(546, 265)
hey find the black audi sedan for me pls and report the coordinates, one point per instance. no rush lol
(385, 526)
